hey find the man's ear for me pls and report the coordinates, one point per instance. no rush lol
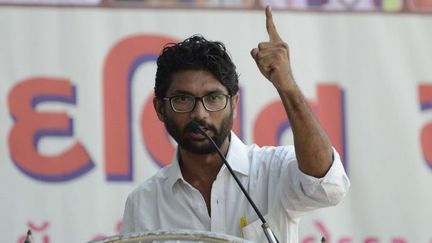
(235, 99)
(159, 108)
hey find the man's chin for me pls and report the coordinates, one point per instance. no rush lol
(206, 148)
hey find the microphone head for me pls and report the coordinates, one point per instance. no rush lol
(194, 127)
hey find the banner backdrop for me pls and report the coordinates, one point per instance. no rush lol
(78, 131)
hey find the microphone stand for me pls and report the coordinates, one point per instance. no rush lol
(266, 228)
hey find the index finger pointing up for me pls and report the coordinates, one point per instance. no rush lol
(271, 28)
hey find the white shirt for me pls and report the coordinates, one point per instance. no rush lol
(270, 175)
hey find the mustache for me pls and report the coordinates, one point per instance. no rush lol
(191, 127)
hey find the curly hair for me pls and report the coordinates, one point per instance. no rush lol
(195, 53)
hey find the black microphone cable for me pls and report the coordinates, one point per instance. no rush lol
(266, 228)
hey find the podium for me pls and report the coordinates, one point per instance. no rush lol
(177, 236)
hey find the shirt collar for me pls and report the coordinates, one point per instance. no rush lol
(173, 172)
(237, 155)
(237, 158)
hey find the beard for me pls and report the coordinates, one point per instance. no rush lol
(202, 147)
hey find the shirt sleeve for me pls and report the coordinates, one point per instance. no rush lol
(127, 225)
(301, 193)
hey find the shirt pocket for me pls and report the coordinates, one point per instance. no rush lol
(254, 232)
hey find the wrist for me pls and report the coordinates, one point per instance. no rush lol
(288, 86)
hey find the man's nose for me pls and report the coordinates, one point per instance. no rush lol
(199, 112)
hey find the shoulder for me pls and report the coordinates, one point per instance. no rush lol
(238, 151)
(149, 187)
(271, 153)
(270, 160)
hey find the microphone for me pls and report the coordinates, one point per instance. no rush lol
(266, 228)
(28, 238)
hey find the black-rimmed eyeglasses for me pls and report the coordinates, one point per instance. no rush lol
(187, 103)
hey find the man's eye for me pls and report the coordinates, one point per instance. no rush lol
(182, 98)
(215, 97)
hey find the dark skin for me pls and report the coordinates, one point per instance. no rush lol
(313, 147)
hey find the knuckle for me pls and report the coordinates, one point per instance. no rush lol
(262, 45)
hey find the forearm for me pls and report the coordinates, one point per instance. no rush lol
(312, 145)
(313, 148)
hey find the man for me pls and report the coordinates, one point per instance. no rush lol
(196, 81)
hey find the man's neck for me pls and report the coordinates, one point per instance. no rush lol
(201, 170)
(203, 167)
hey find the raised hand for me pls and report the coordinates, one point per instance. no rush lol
(313, 148)
(272, 57)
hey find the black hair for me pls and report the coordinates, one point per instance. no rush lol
(195, 53)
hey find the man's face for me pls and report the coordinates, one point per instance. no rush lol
(216, 124)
